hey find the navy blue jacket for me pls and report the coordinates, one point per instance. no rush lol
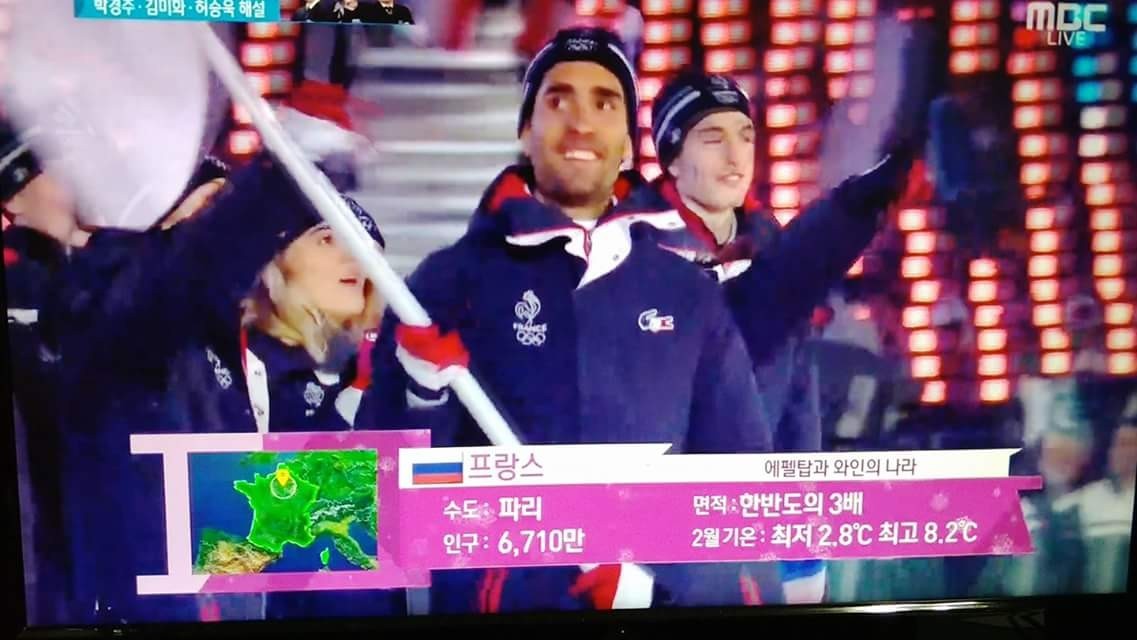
(580, 337)
(128, 303)
(31, 261)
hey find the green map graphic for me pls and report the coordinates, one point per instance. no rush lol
(310, 495)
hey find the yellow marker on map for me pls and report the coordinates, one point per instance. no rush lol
(283, 476)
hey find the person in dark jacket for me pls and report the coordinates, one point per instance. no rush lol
(379, 12)
(704, 136)
(575, 322)
(129, 303)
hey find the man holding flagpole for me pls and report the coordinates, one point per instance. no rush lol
(577, 324)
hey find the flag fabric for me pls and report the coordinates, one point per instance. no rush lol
(120, 108)
(436, 473)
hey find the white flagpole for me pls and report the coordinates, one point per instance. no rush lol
(324, 197)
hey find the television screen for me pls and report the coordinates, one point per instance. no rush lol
(325, 309)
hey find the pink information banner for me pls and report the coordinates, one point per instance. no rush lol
(495, 526)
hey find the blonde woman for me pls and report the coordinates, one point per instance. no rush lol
(295, 364)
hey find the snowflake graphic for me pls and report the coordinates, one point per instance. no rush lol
(624, 494)
(816, 521)
(627, 555)
(997, 492)
(940, 501)
(769, 556)
(387, 464)
(460, 562)
(808, 487)
(341, 436)
(1002, 545)
(821, 551)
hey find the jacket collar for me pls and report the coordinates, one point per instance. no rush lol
(510, 210)
(696, 242)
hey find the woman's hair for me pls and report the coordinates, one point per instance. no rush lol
(278, 309)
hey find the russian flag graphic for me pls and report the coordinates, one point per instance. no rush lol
(436, 473)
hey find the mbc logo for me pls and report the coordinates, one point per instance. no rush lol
(1066, 22)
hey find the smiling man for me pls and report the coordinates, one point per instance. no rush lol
(576, 323)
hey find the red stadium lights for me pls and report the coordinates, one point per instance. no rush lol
(664, 60)
(242, 143)
(270, 82)
(970, 61)
(839, 34)
(983, 268)
(647, 147)
(1097, 145)
(912, 219)
(983, 291)
(915, 267)
(790, 8)
(783, 145)
(785, 60)
(922, 341)
(1030, 63)
(1039, 218)
(1120, 339)
(1119, 314)
(718, 34)
(722, 8)
(925, 291)
(992, 364)
(1045, 241)
(994, 390)
(1056, 363)
(989, 340)
(1043, 266)
(1044, 290)
(1100, 173)
(1042, 172)
(266, 54)
(668, 31)
(653, 7)
(784, 197)
(1054, 339)
(1101, 195)
(924, 367)
(645, 116)
(935, 392)
(1027, 91)
(781, 116)
(1107, 241)
(1108, 265)
(792, 33)
(1110, 288)
(785, 216)
(1122, 364)
(921, 242)
(1036, 116)
(988, 315)
(971, 35)
(272, 30)
(1103, 117)
(727, 60)
(649, 87)
(916, 317)
(972, 10)
(1035, 145)
(1047, 315)
(651, 170)
(785, 172)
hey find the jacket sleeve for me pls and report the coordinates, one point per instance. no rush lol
(799, 426)
(189, 281)
(395, 401)
(792, 275)
(727, 415)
